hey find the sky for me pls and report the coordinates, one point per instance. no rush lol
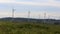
(37, 8)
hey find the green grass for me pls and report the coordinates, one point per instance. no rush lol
(28, 28)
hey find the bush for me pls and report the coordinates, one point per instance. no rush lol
(56, 32)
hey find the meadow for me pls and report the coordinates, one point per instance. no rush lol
(28, 28)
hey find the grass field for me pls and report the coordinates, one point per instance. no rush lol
(28, 28)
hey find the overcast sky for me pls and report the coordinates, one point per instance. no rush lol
(37, 7)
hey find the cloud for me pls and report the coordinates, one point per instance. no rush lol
(5, 14)
(39, 4)
(57, 0)
(33, 3)
(7, 1)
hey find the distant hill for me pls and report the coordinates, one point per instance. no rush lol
(50, 21)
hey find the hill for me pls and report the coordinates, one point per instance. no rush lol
(48, 21)
(33, 26)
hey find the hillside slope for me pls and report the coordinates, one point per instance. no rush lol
(28, 28)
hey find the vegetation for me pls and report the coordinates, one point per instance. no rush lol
(28, 28)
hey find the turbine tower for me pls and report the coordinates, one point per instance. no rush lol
(28, 16)
(39, 16)
(48, 16)
(13, 10)
(44, 17)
